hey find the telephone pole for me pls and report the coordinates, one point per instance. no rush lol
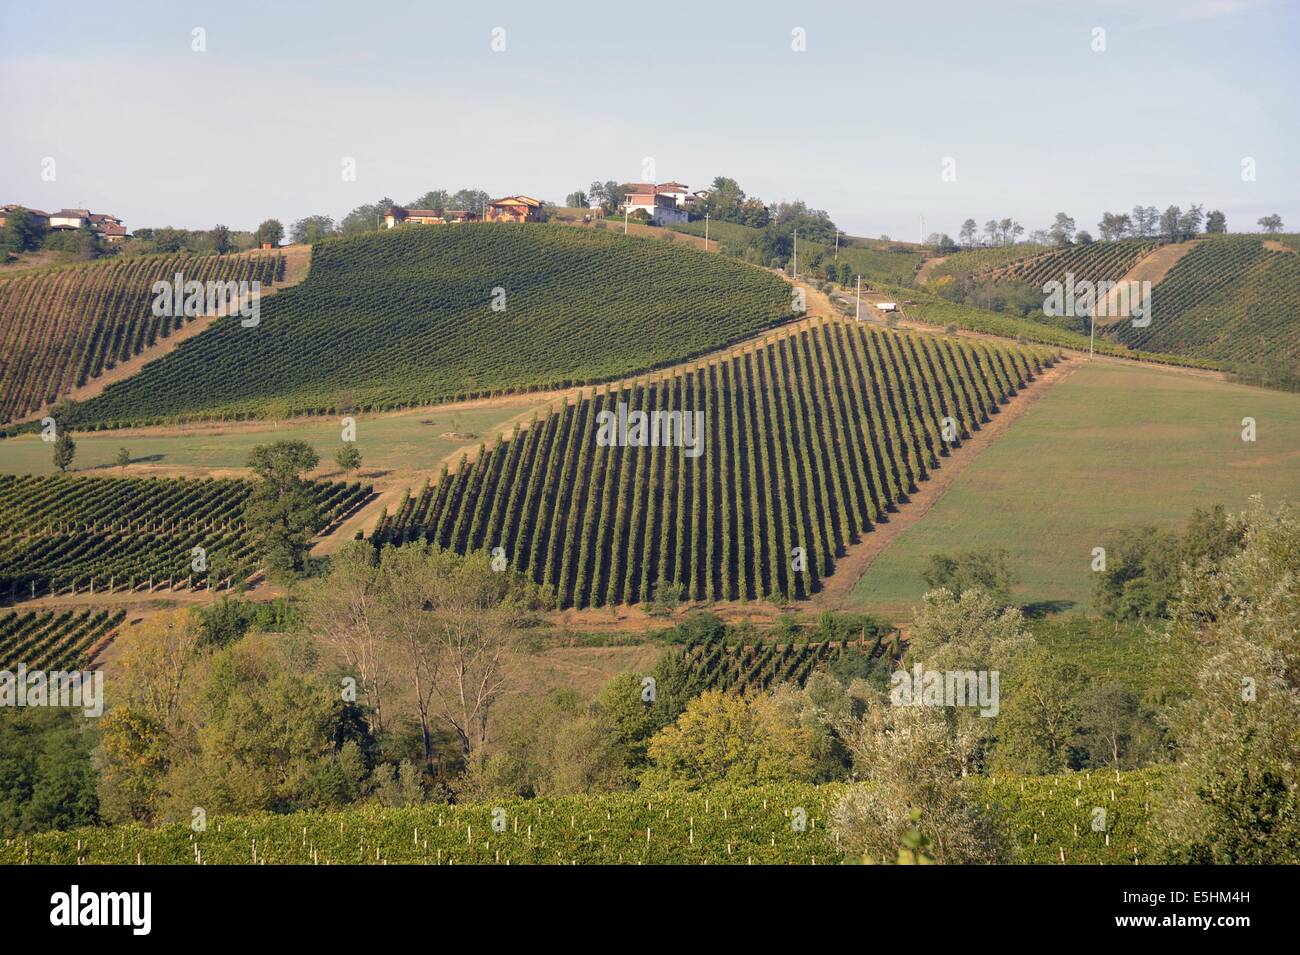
(706, 232)
(857, 315)
(796, 253)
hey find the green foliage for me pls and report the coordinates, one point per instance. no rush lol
(123, 458)
(46, 779)
(348, 457)
(281, 512)
(65, 449)
(986, 568)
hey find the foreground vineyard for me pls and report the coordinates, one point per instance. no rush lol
(416, 316)
(805, 443)
(54, 640)
(63, 327)
(1051, 819)
(96, 535)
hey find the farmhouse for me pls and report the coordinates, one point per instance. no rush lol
(66, 220)
(665, 203)
(8, 209)
(515, 209)
(69, 218)
(398, 215)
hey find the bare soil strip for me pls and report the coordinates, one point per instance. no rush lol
(1152, 267)
(297, 264)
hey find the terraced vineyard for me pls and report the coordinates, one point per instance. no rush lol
(1095, 262)
(1229, 298)
(417, 316)
(806, 441)
(68, 534)
(1050, 820)
(54, 640)
(717, 665)
(62, 327)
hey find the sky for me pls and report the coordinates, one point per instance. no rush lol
(889, 113)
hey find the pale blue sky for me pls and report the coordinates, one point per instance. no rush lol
(858, 124)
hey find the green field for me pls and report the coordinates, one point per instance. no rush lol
(1110, 445)
(418, 316)
(392, 441)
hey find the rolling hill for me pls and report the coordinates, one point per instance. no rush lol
(420, 315)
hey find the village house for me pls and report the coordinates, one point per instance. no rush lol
(399, 215)
(515, 209)
(69, 218)
(11, 207)
(664, 204)
(107, 226)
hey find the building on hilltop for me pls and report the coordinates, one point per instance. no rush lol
(664, 204)
(399, 215)
(103, 224)
(516, 209)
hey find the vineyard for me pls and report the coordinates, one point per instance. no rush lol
(714, 664)
(54, 640)
(93, 535)
(419, 316)
(807, 441)
(1051, 818)
(62, 327)
(1230, 299)
(1093, 262)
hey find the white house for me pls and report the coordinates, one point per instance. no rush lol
(69, 218)
(662, 203)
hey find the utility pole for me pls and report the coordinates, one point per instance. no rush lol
(625, 218)
(706, 232)
(837, 245)
(796, 254)
(1092, 331)
(857, 315)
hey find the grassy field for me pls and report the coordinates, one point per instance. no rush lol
(401, 441)
(1111, 444)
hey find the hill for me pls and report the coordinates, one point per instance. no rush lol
(806, 441)
(419, 315)
(62, 327)
(1050, 819)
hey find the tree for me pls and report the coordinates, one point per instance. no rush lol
(22, 232)
(270, 231)
(969, 232)
(1062, 229)
(1216, 222)
(1040, 713)
(471, 200)
(911, 762)
(987, 569)
(65, 449)
(221, 240)
(1231, 798)
(1271, 223)
(1171, 223)
(281, 512)
(991, 230)
(347, 456)
(1084, 237)
(1189, 223)
(725, 738)
(311, 229)
(576, 200)
(1144, 220)
(46, 777)
(366, 218)
(1114, 728)
(609, 194)
(1114, 225)
(1140, 574)
(123, 458)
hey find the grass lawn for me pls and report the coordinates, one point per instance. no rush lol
(395, 441)
(1112, 444)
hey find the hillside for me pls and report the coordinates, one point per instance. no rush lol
(1231, 299)
(1049, 817)
(62, 327)
(807, 442)
(420, 315)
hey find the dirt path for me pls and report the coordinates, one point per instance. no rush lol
(296, 266)
(923, 273)
(1152, 267)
